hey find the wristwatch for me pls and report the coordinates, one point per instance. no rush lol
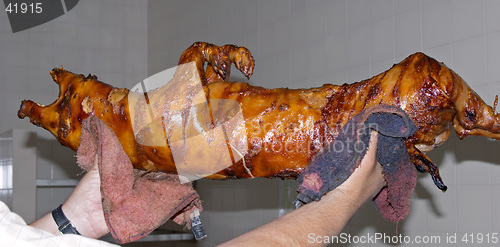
(63, 224)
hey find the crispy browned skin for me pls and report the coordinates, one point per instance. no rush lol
(285, 128)
(220, 59)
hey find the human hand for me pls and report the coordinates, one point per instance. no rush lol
(326, 217)
(84, 206)
(367, 180)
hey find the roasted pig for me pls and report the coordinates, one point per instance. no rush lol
(283, 129)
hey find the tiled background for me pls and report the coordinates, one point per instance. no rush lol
(296, 44)
(105, 38)
(302, 44)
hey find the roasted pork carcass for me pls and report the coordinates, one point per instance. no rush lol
(283, 128)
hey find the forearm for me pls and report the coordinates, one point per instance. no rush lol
(326, 217)
(47, 224)
(83, 208)
(78, 219)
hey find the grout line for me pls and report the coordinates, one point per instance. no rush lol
(452, 42)
(487, 86)
(394, 31)
(491, 202)
(456, 202)
(369, 42)
(287, 51)
(421, 27)
(259, 23)
(346, 72)
(326, 73)
(485, 44)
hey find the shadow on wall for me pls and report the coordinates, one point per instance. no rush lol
(474, 149)
(466, 153)
(239, 194)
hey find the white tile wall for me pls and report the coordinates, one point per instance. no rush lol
(105, 38)
(295, 43)
(436, 24)
(408, 33)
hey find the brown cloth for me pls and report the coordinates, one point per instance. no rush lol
(135, 202)
(338, 160)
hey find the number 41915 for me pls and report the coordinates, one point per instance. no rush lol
(480, 238)
(23, 8)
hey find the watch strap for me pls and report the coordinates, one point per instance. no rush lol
(63, 223)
